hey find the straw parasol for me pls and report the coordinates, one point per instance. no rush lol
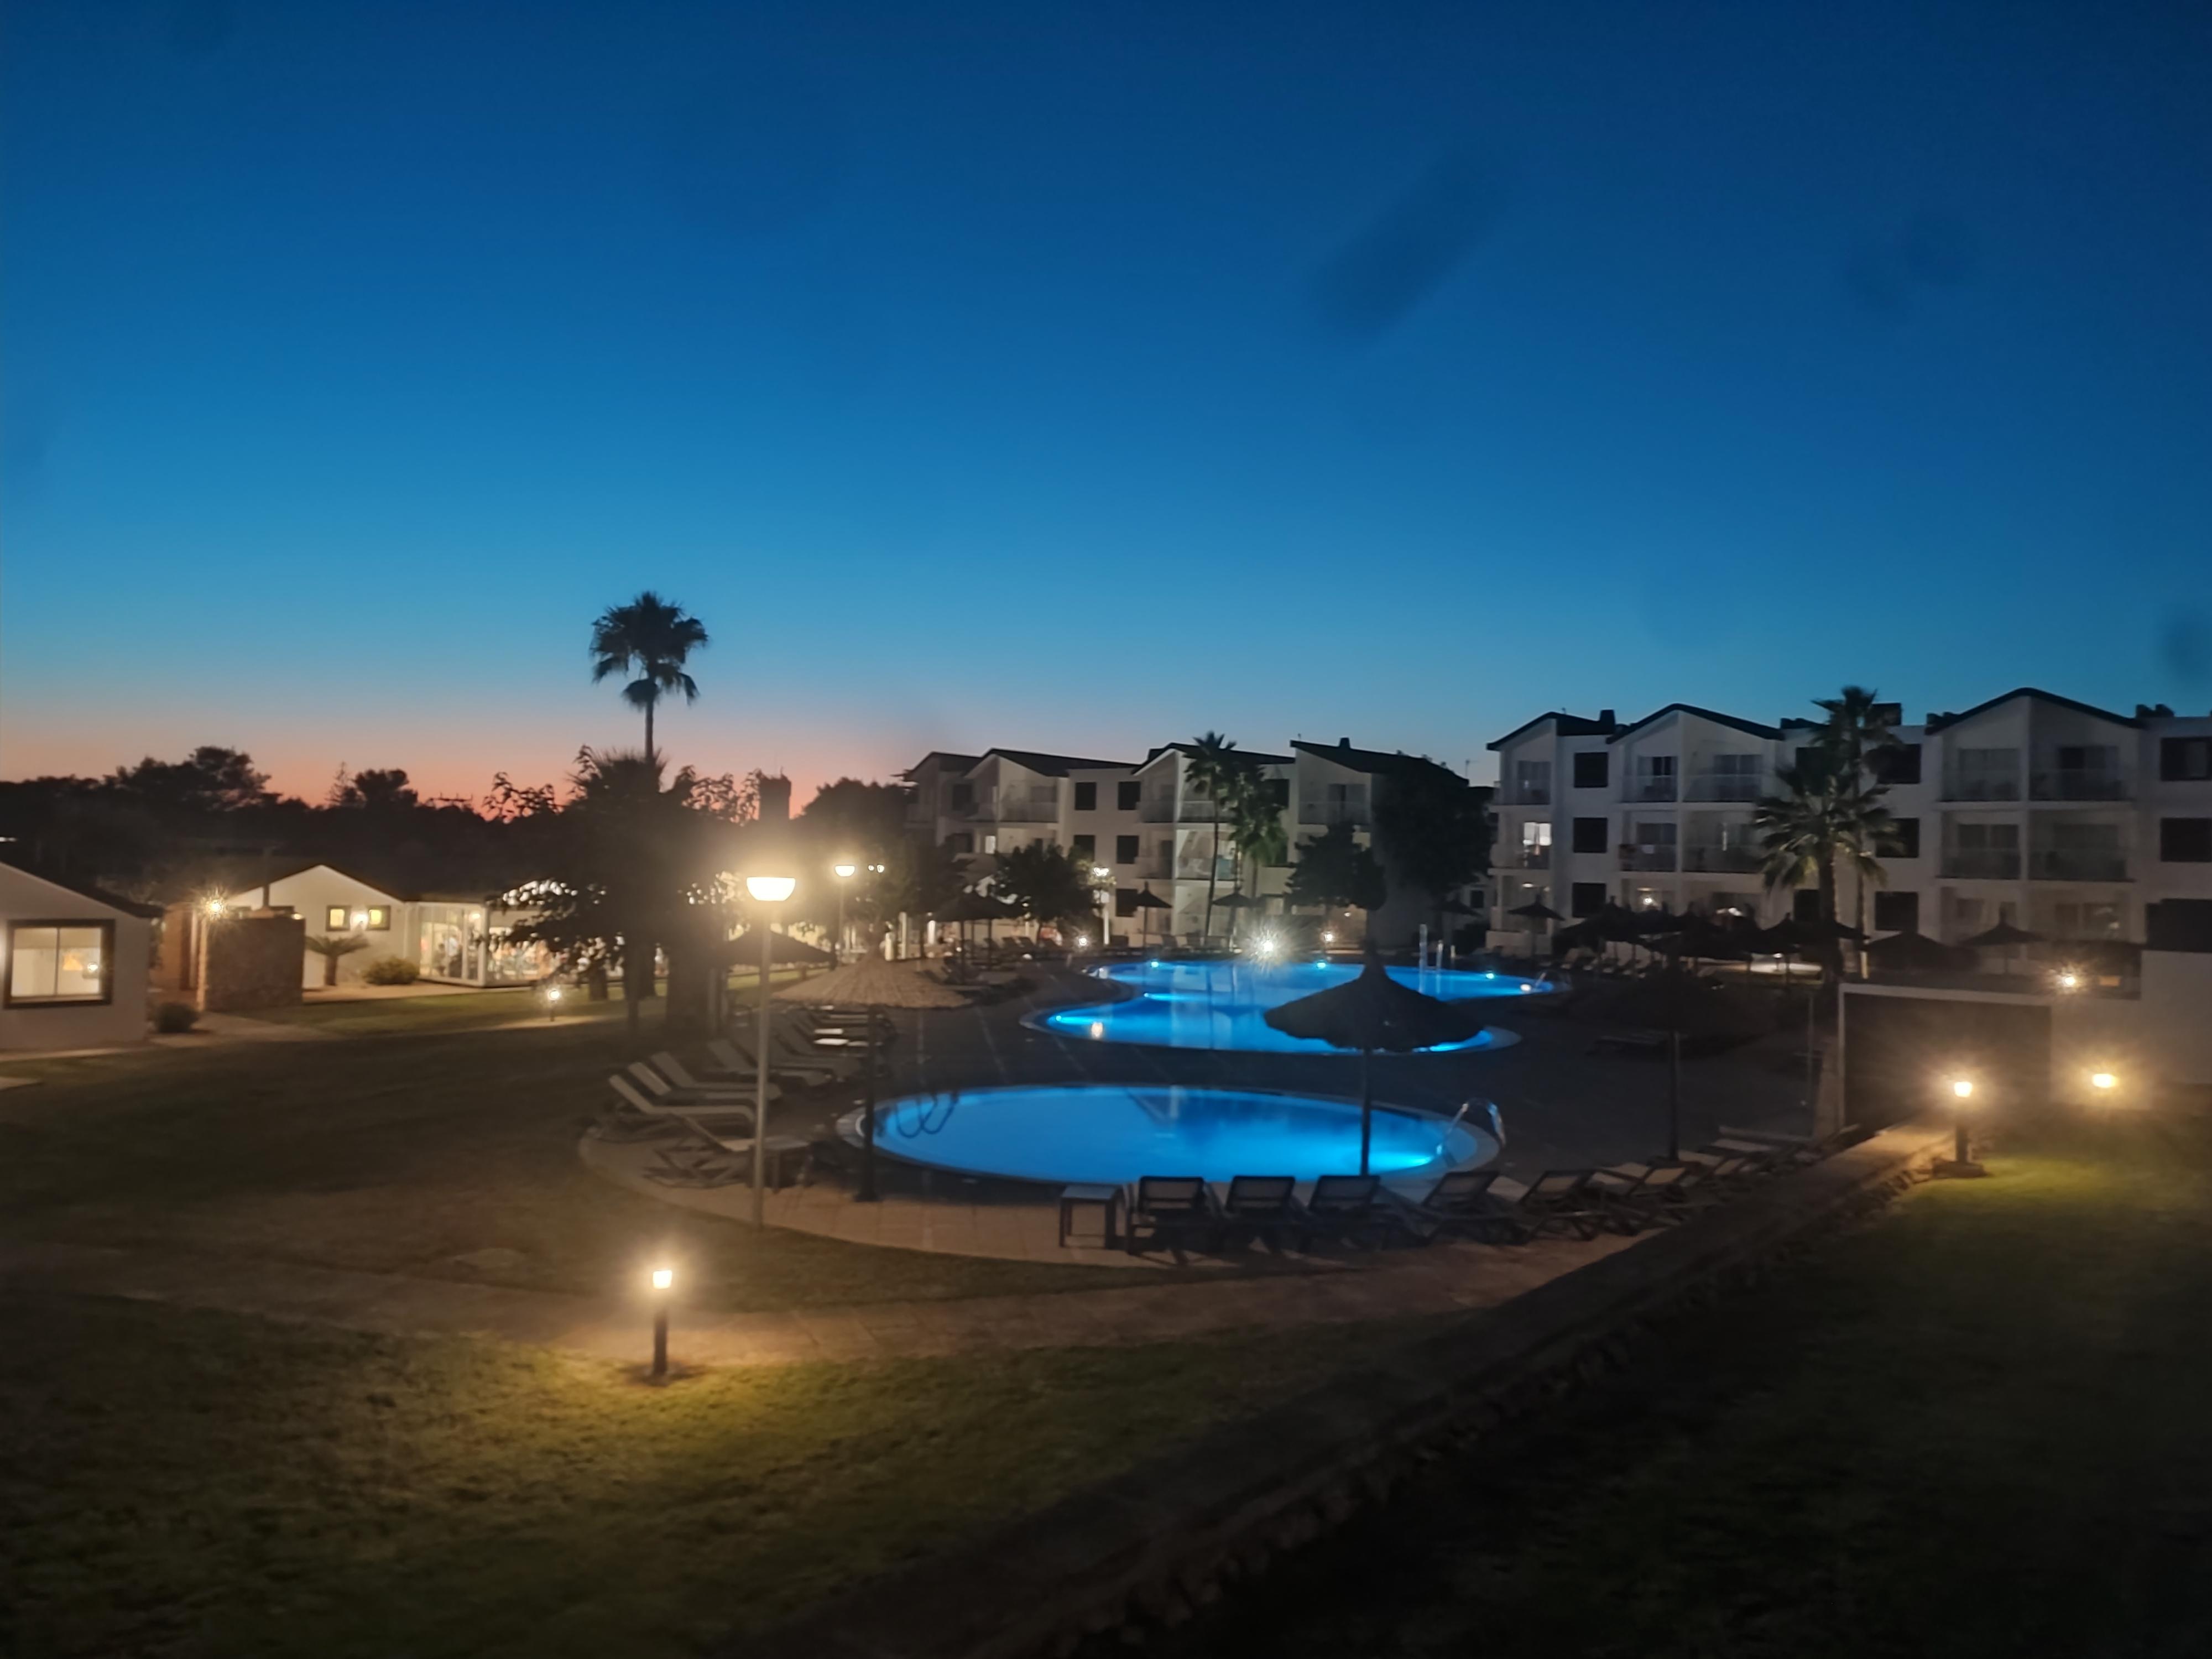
(972, 906)
(1913, 952)
(1375, 1012)
(1145, 899)
(1535, 911)
(2004, 937)
(783, 951)
(870, 983)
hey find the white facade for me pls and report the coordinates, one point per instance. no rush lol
(454, 937)
(2061, 818)
(73, 965)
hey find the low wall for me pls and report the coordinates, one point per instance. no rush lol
(1147, 1546)
(247, 962)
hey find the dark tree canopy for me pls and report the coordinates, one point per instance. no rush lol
(1334, 870)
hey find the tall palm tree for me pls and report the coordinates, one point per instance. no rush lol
(1256, 828)
(1858, 730)
(1212, 769)
(1823, 821)
(651, 637)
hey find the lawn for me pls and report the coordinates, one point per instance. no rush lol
(187, 1484)
(1976, 1426)
(405, 1154)
(474, 1010)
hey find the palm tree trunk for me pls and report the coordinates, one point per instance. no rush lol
(1212, 865)
(649, 731)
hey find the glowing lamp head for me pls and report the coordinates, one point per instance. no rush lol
(361, 918)
(1082, 940)
(1098, 1030)
(2070, 981)
(2103, 1081)
(1329, 939)
(771, 889)
(1962, 1088)
(552, 994)
(846, 872)
(212, 909)
(663, 1278)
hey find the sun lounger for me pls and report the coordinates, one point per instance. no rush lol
(1347, 1207)
(685, 1167)
(738, 1062)
(670, 1094)
(1172, 1211)
(1459, 1205)
(1557, 1201)
(845, 1062)
(1633, 1196)
(1261, 1206)
(638, 1101)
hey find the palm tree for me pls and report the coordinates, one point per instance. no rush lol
(1858, 730)
(330, 948)
(1823, 820)
(652, 638)
(1256, 828)
(1212, 769)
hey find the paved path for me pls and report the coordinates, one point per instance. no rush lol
(1442, 1279)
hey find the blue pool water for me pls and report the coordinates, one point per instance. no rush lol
(1110, 1133)
(1222, 1005)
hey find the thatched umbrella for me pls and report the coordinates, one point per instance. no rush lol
(1912, 952)
(972, 906)
(2005, 936)
(1535, 911)
(1680, 1004)
(1375, 1012)
(1146, 901)
(871, 984)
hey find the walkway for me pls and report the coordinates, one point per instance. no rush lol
(1442, 1279)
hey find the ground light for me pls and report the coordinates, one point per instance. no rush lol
(664, 1281)
(765, 891)
(1961, 1091)
(552, 1002)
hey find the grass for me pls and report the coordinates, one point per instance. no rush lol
(176, 1483)
(470, 1010)
(1975, 1427)
(402, 1155)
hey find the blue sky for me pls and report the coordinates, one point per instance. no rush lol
(1081, 376)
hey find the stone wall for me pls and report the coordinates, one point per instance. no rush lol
(247, 962)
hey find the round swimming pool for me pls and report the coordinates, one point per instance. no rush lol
(1114, 1133)
(1223, 1004)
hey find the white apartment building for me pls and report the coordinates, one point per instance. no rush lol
(2031, 808)
(1149, 825)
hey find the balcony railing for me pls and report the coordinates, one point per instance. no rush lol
(1647, 858)
(2077, 786)
(1979, 865)
(1518, 794)
(1530, 858)
(1982, 789)
(1723, 786)
(2047, 864)
(1651, 789)
(1718, 860)
(1150, 867)
(1022, 811)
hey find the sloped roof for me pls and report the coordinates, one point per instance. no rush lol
(1937, 722)
(1571, 725)
(952, 763)
(1750, 728)
(1057, 766)
(86, 891)
(1375, 760)
(1252, 755)
(285, 873)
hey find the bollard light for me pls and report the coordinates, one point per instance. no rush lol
(664, 1280)
(2103, 1081)
(1962, 1160)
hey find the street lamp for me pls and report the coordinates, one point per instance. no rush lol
(664, 1280)
(845, 871)
(765, 891)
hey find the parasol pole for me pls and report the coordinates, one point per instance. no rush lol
(1366, 1103)
(868, 1192)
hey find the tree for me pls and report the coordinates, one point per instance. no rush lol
(332, 947)
(1255, 827)
(1858, 736)
(1044, 882)
(374, 790)
(1434, 830)
(1212, 769)
(652, 638)
(211, 779)
(1333, 869)
(1824, 819)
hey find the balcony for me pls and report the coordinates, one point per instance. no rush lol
(1530, 858)
(1329, 814)
(1659, 859)
(1521, 795)
(1722, 785)
(1721, 861)
(1982, 864)
(1164, 808)
(1982, 789)
(1150, 867)
(2047, 864)
(2077, 786)
(1022, 812)
(1651, 789)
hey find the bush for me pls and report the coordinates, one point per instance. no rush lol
(171, 1017)
(391, 971)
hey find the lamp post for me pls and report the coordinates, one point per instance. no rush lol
(765, 891)
(664, 1280)
(1962, 1094)
(552, 1001)
(845, 871)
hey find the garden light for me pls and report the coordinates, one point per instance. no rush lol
(552, 1001)
(1082, 941)
(212, 909)
(1962, 1160)
(2068, 980)
(664, 1280)
(1963, 1088)
(846, 872)
(2103, 1081)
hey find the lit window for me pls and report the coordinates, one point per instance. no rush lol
(59, 962)
(334, 918)
(380, 918)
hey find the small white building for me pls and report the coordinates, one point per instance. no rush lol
(74, 964)
(456, 937)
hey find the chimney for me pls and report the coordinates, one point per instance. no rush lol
(1605, 717)
(1344, 743)
(775, 800)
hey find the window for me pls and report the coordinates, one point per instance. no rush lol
(334, 919)
(1897, 912)
(380, 918)
(1593, 769)
(1087, 849)
(1086, 797)
(990, 843)
(2184, 760)
(1125, 900)
(1125, 849)
(1590, 835)
(961, 841)
(963, 797)
(2184, 841)
(1278, 792)
(1987, 775)
(1586, 898)
(1900, 764)
(53, 961)
(1654, 777)
(1904, 838)
(1129, 796)
(1532, 782)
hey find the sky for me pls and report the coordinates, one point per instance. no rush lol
(1080, 374)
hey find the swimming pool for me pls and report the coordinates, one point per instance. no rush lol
(1114, 1133)
(1223, 1004)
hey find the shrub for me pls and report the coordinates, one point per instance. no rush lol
(173, 1017)
(391, 971)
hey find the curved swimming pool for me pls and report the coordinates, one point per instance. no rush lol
(1116, 1133)
(1223, 1004)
